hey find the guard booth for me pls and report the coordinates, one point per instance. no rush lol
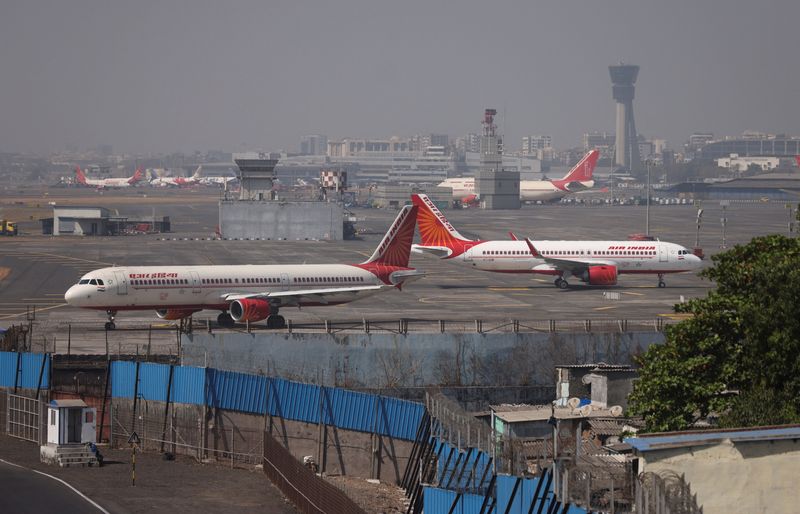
(71, 422)
(71, 425)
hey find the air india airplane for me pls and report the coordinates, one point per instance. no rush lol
(178, 181)
(592, 262)
(101, 183)
(248, 293)
(578, 179)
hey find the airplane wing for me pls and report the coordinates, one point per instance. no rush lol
(575, 186)
(438, 251)
(574, 266)
(319, 296)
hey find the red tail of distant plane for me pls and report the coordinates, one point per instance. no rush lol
(583, 171)
(395, 247)
(81, 178)
(797, 158)
(137, 176)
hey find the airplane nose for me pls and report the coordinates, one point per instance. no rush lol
(71, 296)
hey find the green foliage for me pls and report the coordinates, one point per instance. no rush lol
(743, 337)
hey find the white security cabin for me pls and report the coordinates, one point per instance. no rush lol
(71, 422)
(71, 425)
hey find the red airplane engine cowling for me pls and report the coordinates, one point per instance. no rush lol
(250, 310)
(175, 313)
(601, 275)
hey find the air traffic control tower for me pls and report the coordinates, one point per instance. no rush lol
(261, 214)
(626, 154)
(495, 187)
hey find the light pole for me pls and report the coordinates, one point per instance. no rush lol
(647, 209)
(724, 220)
(699, 219)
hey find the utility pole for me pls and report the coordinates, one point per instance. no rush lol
(724, 220)
(647, 209)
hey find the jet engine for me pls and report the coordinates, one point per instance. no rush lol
(601, 275)
(175, 313)
(250, 310)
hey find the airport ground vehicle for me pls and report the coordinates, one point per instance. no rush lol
(8, 228)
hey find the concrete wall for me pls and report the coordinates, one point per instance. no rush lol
(389, 361)
(756, 476)
(498, 190)
(280, 220)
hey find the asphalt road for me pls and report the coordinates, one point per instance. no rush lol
(23, 490)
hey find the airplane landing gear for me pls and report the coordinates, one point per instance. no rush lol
(276, 321)
(661, 282)
(225, 320)
(110, 323)
(561, 283)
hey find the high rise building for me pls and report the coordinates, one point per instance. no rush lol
(531, 144)
(315, 144)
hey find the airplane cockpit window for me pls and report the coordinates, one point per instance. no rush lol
(83, 281)
(93, 282)
(100, 282)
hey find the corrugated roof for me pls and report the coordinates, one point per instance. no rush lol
(653, 442)
(598, 366)
(67, 403)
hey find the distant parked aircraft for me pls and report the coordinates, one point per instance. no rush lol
(178, 181)
(578, 179)
(101, 183)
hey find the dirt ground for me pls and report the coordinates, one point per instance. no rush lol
(378, 498)
(181, 485)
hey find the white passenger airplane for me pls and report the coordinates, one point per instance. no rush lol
(578, 179)
(592, 262)
(101, 183)
(178, 181)
(248, 292)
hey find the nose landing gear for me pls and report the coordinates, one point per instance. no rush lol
(110, 323)
(661, 282)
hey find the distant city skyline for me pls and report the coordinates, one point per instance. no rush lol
(151, 78)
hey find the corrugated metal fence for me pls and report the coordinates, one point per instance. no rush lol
(25, 370)
(257, 394)
(513, 495)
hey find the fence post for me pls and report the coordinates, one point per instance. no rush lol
(441, 326)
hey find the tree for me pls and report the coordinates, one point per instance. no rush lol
(741, 344)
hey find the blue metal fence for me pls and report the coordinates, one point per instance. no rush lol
(531, 495)
(256, 394)
(464, 469)
(25, 370)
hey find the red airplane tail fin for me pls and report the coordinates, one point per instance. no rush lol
(395, 247)
(81, 178)
(137, 176)
(583, 171)
(797, 158)
(434, 229)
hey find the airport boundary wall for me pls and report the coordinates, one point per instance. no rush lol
(25, 370)
(262, 395)
(403, 362)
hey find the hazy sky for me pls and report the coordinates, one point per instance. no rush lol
(156, 76)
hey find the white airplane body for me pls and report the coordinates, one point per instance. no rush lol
(178, 181)
(592, 262)
(578, 179)
(250, 293)
(111, 183)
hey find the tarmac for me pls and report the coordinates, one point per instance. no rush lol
(39, 269)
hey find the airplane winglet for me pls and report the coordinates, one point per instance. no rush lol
(532, 248)
(513, 237)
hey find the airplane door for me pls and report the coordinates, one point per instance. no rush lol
(284, 282)
(662, 254)
(468, 254)
(122, 282)
(195, 282)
